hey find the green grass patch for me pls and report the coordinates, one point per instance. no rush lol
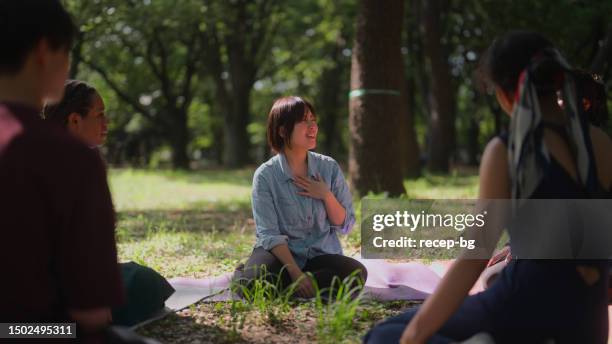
(457, 185)
(148, 190)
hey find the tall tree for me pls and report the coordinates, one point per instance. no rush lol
(442, 96)
(376, 105)
(237, 38)
(335, 31)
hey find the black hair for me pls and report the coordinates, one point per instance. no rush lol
(23, 23)
(511, 53)
(285, 112)
(78, 98)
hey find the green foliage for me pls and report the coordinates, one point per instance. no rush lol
(160, 65)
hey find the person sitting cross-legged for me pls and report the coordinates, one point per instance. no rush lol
(300, 204)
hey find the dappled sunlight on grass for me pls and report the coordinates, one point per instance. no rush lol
(134, 225)
(145, 190)
(176, 253)
(183, 223)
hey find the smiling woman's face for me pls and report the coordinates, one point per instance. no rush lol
(304, 133)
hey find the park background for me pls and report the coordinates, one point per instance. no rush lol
(188, 85)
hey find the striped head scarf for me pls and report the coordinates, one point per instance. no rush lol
(528, 156)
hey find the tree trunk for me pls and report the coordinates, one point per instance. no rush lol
(473, 146)
(236, 137)
(376, 104)
(329, 101)
(442, 97)
(412, 161)
(180, 140)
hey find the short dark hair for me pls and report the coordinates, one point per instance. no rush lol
(285, 112)
(78, 98)
(23, 23)
(510, 54)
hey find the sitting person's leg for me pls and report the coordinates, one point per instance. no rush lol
(328, 266)
(471, 318)
(261, 263)
(390, 331)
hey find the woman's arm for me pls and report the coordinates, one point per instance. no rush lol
(447, 297)
(335, 211)
(282, 253)
(457, 282)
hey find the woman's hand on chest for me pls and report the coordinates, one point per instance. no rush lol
(315, 188)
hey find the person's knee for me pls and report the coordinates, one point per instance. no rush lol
(360, 271)
(244, 275)
(239, 281)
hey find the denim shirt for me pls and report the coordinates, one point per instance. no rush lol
(282, 216)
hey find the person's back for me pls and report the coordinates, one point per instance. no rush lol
(58, 252)
(57, 213)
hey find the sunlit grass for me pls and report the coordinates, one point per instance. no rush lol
(183, 224)
(147, 190)
(457, 185)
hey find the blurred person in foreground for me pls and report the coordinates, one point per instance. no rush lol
(57, 220)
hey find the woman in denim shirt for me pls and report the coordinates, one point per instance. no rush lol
(300, 200)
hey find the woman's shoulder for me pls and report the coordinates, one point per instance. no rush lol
(267, 168)
(325, 165)
(323, 159)
(497, 146)
(494, 177)
(495, 155)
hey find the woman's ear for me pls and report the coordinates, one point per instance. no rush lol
(505, 100)
(281, 132)
(74, 119)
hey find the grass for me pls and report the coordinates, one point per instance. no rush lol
(336, 314)
(199, 224)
